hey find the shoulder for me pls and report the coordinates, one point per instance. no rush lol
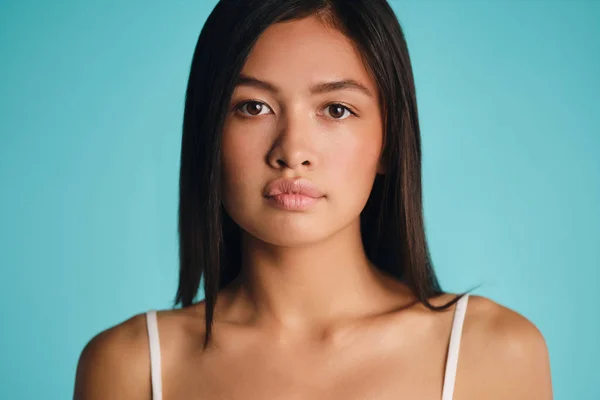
(502, 330)
(503, 354)
(116, 363)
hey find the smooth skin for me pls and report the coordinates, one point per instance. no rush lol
(310, 317)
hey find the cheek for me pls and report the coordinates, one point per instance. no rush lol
(352, 167)
(241, 161)
(353, 163)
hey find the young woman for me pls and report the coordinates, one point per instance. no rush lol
(301, 213)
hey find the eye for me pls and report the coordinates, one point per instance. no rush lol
(338, 111)
(252, 108)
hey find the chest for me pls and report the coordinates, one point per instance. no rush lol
(349, 374)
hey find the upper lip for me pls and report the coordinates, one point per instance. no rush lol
(299, 186)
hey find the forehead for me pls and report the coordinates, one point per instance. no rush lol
(302, 51)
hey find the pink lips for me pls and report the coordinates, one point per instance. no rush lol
(292, 194)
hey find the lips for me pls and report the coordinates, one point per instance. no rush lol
(295, 186)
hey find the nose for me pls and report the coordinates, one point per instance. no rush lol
(294, 147)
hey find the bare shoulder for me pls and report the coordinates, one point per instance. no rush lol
(503, 331)
(503, 354)
(115, 363)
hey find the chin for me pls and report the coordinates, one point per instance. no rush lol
(290, 239)
(293, 231)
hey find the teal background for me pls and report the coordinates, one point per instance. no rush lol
(91, 101)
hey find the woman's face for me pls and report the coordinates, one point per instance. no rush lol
(298, 124)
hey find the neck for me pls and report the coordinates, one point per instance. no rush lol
(317, 284)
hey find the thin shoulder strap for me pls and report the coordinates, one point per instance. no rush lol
(454, 347)
(155, 362)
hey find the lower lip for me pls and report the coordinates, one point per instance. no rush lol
(292, 202)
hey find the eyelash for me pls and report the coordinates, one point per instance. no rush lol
(242, 104)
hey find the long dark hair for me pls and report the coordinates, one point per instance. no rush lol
(392, 224)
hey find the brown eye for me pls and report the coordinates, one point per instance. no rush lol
(252, 108)
(338, 111)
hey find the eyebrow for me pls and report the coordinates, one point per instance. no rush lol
(321, 87)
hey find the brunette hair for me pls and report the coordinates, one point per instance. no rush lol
(392, 224)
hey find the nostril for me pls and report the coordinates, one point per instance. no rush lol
(281, 163)
(306, 162)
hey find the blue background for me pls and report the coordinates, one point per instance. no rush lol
(91, 102)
